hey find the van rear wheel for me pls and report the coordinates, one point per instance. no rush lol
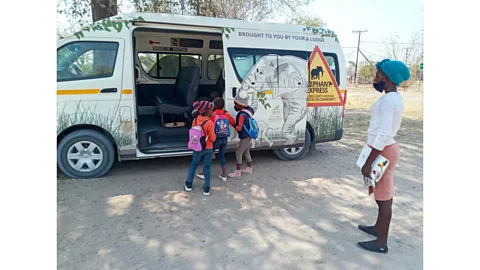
(293, 153)
(85, 154)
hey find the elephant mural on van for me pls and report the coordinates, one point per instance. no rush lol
(287, 78)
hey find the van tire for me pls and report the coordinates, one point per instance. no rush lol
(98, 149)
(285, 154)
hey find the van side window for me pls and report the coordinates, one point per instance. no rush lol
(167, 66)
(242, 63)
(243, 59)
(86, 60)
(332, 61)
(214, 66)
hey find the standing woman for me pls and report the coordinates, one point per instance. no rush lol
(386, 117)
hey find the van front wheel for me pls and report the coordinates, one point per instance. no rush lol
(293, 153)
(85, 154)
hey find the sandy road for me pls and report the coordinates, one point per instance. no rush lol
(287, 215)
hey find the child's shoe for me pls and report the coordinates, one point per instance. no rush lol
(188, 186)
(248, 170)
(236, 173)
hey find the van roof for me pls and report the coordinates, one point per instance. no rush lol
(217, 22)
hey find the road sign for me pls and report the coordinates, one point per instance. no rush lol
(421, 66)
(322, 86)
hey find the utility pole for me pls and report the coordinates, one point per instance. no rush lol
(358, 50)
(406, 57)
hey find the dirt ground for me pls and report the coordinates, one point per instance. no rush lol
(287, 215)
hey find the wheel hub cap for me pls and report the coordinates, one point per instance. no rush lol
(85, 156)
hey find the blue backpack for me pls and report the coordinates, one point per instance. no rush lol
(222, 124)
(253, 130)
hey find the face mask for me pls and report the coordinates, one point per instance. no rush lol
(236, 109)
(379, 86)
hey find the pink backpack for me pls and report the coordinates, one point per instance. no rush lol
(197, 141)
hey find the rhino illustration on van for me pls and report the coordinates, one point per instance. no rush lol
(315, 73)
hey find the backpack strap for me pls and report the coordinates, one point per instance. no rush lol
(247, 112)
(206, 137)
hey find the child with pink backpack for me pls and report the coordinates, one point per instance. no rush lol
(201, 138)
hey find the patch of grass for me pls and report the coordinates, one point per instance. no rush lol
(325, 121)
(87, 115)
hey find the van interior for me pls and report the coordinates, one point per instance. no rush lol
(172, 70)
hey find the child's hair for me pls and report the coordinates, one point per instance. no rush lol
(219, 103)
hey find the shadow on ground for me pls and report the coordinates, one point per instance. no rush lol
(287, 215)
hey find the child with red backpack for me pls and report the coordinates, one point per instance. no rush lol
(221, 120)
(201, 139)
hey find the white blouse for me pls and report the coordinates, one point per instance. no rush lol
(385, 121)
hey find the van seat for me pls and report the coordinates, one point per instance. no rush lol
(185, 93)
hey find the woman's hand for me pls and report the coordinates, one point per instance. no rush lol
(367, 169)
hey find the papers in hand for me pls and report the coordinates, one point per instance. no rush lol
(379, 166)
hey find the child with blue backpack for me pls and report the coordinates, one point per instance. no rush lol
(222, 120)
(247, 130)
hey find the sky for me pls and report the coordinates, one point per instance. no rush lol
(379, 18)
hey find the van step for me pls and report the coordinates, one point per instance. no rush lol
(165, 147)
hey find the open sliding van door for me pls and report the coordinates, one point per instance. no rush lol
(272, 69)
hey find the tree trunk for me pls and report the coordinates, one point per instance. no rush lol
(102, 9)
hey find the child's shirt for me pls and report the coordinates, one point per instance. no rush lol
(208, 130)
(242, 120)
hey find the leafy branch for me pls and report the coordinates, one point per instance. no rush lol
(107, 25)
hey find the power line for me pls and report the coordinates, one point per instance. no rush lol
(367, 59)
(378, 55)
(383, 42)
(358, 50)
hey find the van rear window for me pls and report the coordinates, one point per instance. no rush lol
(214, 66)
(167, 65)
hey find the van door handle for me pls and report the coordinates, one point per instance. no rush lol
(108, 90)
(234, 91)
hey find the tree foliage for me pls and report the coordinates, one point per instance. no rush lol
(367, 73)
(253, 10)
(88, 11)
(307, 20)
(411, 53)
